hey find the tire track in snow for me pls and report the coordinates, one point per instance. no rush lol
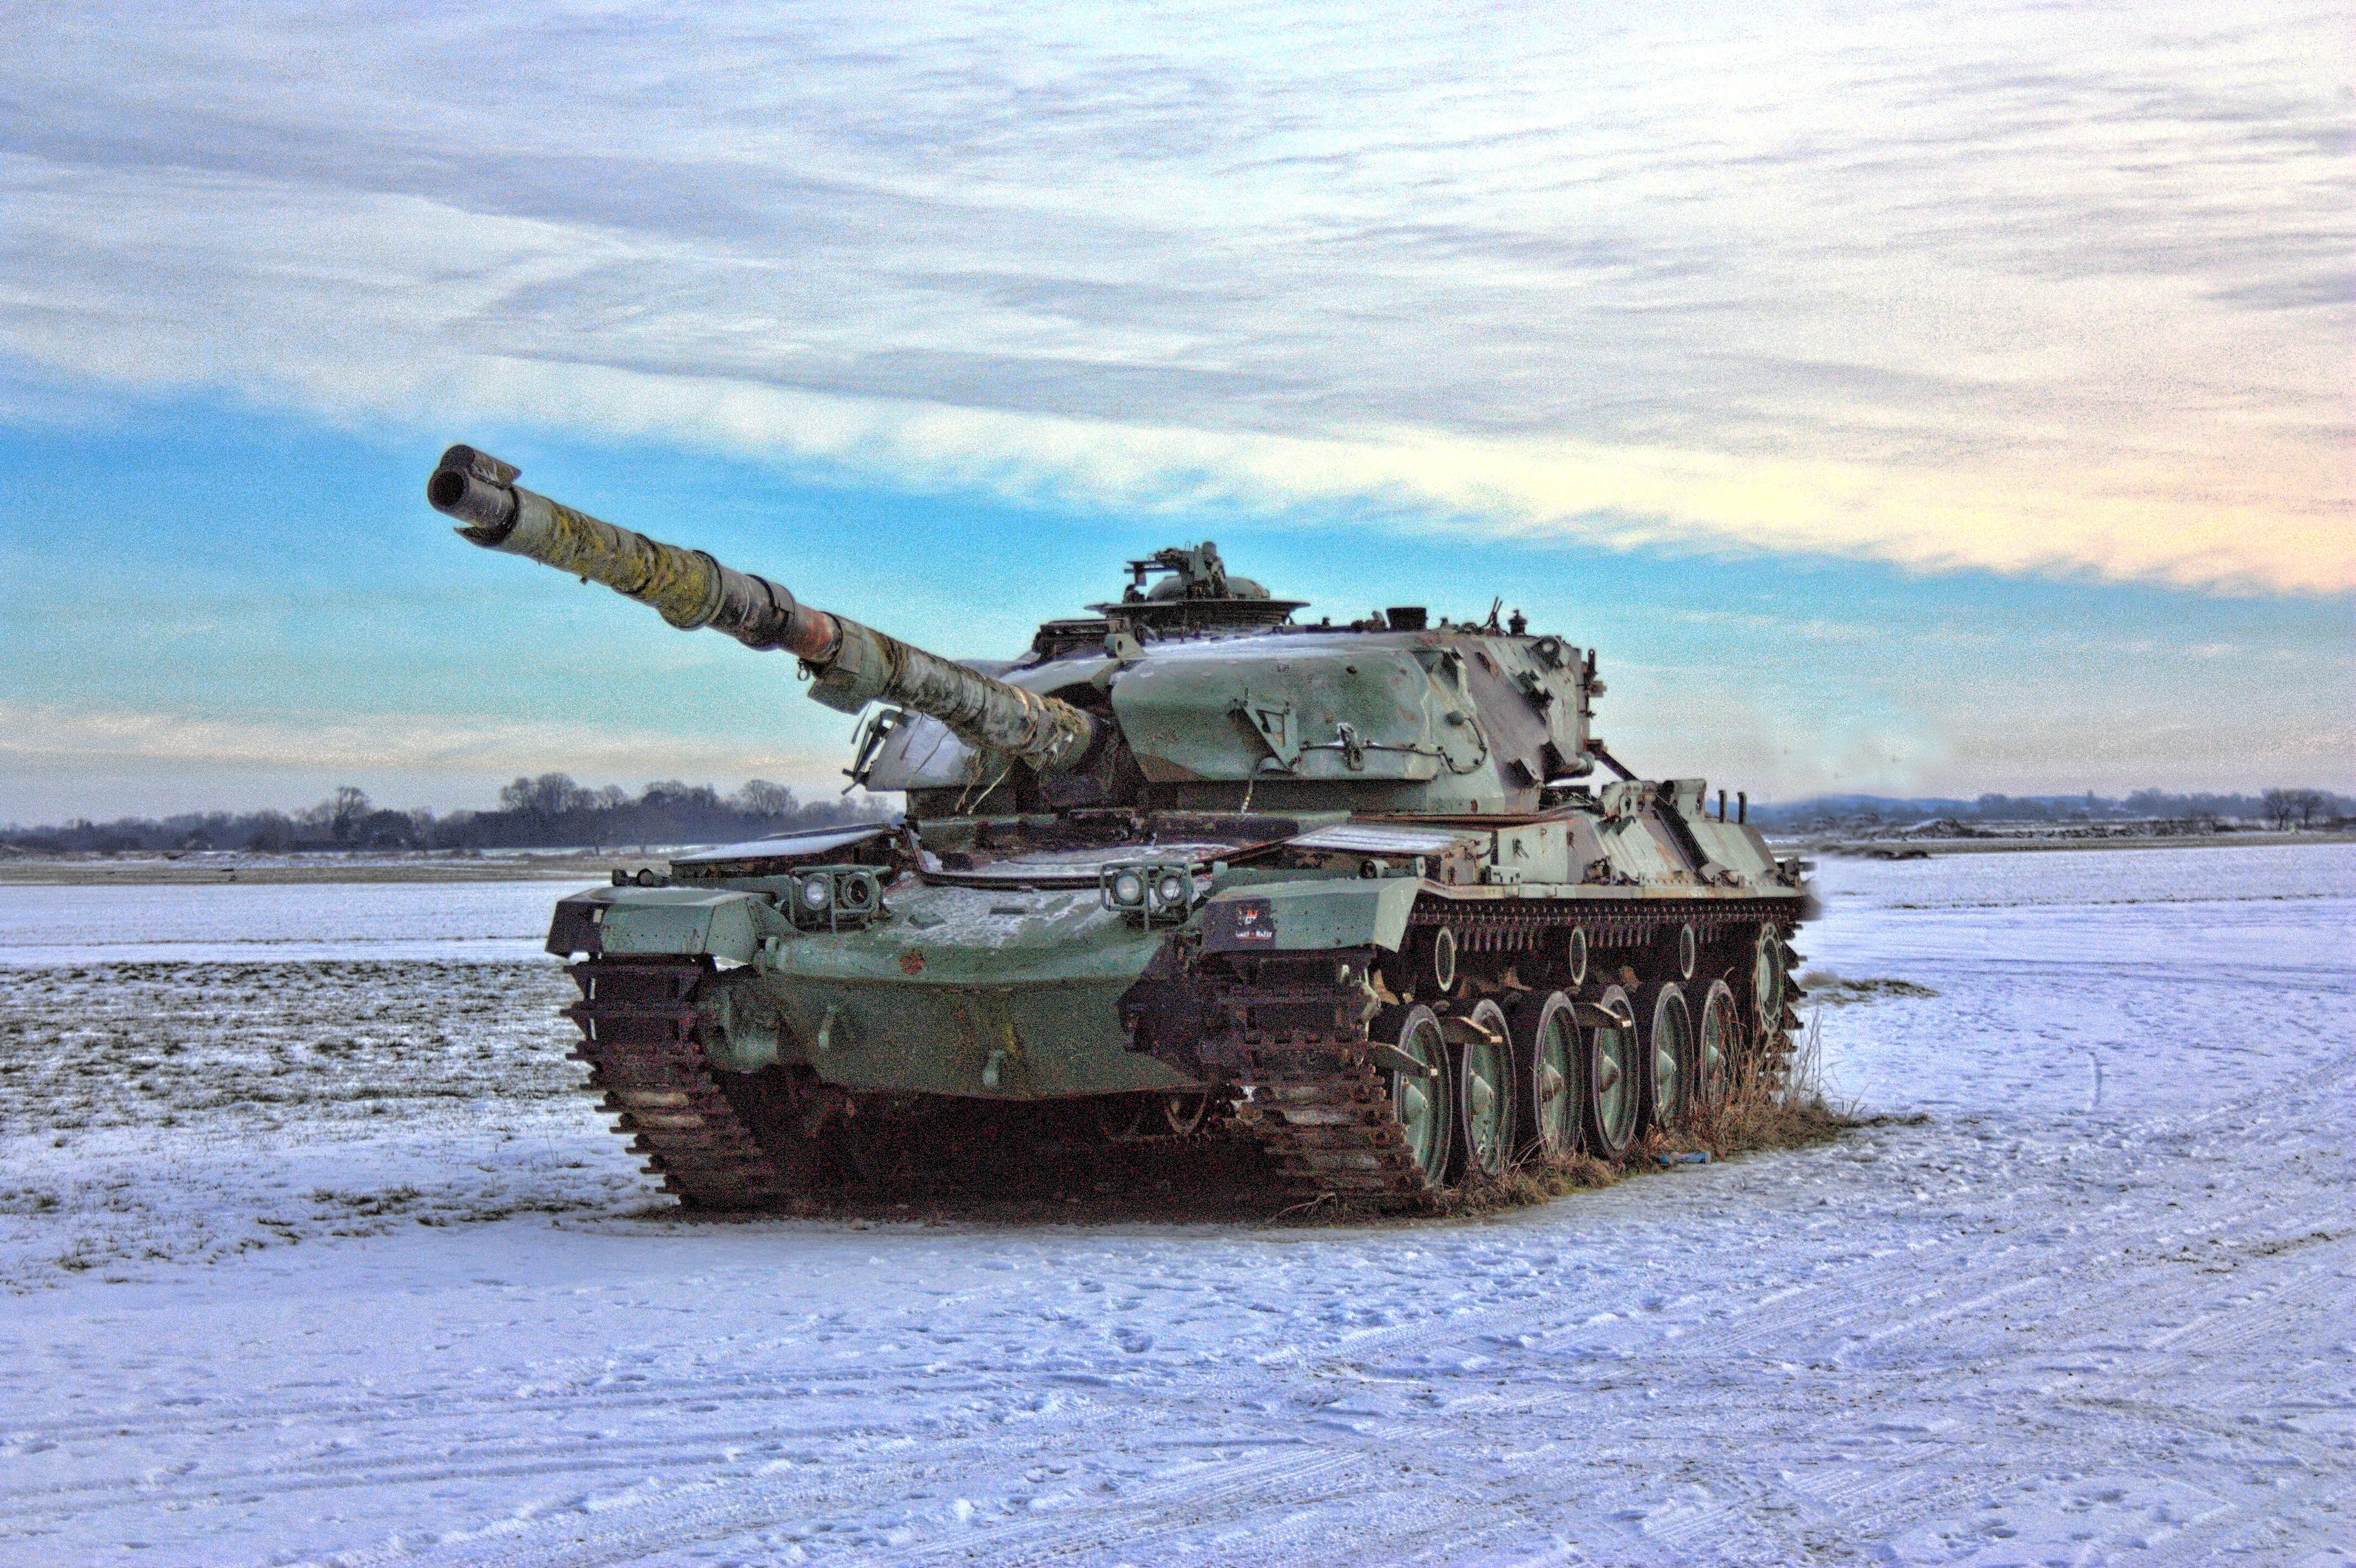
(1877, 1498)
(1224, 1493)
(1235, 1495)
(2227, 1532)
(1863, 1285)
(670, 1450)
(730, 1518)
(1243, 1489)
(511, 1457)
(458, 1403)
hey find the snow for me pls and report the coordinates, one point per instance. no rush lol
(271, 923)
(312, 1256)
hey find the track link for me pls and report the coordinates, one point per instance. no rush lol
(1326, 1118)
(637, 1034)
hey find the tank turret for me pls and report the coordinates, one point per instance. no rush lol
(1194, 689)
(850, 665)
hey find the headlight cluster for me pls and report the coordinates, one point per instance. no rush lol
(1156, 891)
(835, 896)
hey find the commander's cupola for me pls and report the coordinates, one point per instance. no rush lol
(1193, 593)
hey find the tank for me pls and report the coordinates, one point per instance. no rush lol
(1372, 894)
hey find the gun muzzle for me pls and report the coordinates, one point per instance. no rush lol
(686, 586)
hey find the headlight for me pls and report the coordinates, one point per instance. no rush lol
(1128, 889)
(817, 892)
(1175, 891)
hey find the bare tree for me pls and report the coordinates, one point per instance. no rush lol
(2286, 809)
(345, 807)
(759, 797)
(549, 794)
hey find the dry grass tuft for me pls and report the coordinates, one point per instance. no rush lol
(1526, 1182)
(1776, 1101)
(1828, 989)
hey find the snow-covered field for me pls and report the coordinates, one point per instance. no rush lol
(310, 1255)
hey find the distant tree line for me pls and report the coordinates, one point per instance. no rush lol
(2280, 809)
(553, 812)
(548, 812)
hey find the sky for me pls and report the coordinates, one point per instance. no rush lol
(1912, 398)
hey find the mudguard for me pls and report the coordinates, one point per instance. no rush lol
(691, 920)
(1310, 916)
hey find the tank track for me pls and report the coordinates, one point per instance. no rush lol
(637, 1023)
(1325, 1118)
(1323, 1107)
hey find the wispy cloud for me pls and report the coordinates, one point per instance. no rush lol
(2021, 287)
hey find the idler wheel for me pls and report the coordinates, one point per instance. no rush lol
(1183, 1114)
(1485, 1088)
(1767, 972)
(1613, 1076)
(1423, 1102)
(1546, 1071)
(1669, 1064)
(1716, 1038)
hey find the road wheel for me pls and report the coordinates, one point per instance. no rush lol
(1436, 963)
(1485, 1089)
(1546, 1071)
(1669, 1083)
(1767, 974)
(1423, 1102)
(1613, 1078)
(1714, 1040)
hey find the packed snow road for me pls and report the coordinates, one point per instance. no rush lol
(313, 1257)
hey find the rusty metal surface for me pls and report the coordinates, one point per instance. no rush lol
(1043, 733)
(852, 665)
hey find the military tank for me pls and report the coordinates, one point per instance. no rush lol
(1373, 895)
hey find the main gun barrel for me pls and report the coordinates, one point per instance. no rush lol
(852, 664)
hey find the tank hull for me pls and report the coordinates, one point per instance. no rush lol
(1285, 992)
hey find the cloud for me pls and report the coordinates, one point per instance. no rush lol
(2027, 288)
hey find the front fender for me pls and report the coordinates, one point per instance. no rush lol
(687, 921)
(1310, 916)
